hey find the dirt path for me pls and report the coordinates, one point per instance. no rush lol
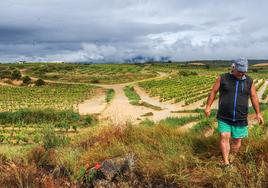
(95, 105)
(119, 110)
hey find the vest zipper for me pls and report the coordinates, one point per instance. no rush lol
(235, 99)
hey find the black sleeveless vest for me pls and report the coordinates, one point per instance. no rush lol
(233, 100)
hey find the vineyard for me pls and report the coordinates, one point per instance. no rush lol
(55, 96)
(259, 84)
(265, 94)
(181, 88)
(27, 114)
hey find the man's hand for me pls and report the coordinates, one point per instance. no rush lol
(260, 119)
(207, 111)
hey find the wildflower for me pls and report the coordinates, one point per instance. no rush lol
(97, 166)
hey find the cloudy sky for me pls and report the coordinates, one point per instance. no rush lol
(118, 30)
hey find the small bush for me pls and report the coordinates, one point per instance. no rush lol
(39, 82)
(95, 81)
(16, 75)
(88, 120)
(26, 79)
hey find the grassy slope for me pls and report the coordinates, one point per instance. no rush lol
(169, 155)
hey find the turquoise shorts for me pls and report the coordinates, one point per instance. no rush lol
(236, 131)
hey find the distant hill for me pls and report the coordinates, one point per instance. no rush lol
(214, 62)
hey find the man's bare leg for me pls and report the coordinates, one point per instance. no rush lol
(235, 146)
(225, 146)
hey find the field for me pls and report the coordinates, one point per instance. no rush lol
(107, 74)
(61, 124)
(56, 96)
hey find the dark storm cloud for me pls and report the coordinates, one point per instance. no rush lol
(116, 30)
(15, 34)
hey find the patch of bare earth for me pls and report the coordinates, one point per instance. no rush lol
(120, 111)
(95, 105)
(17, 82)
(4, 84)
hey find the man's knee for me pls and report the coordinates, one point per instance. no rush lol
(237, 141)
(225, 137)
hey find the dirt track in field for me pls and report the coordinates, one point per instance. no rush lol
(119, 110)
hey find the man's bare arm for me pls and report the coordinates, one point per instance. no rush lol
(212, 95)
(255, 103)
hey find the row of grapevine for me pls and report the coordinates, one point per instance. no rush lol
(260, 84)
(189, 89)
(265, 94)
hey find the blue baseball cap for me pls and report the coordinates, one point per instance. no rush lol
(241, 65)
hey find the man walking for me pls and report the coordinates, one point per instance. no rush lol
(235, 89)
